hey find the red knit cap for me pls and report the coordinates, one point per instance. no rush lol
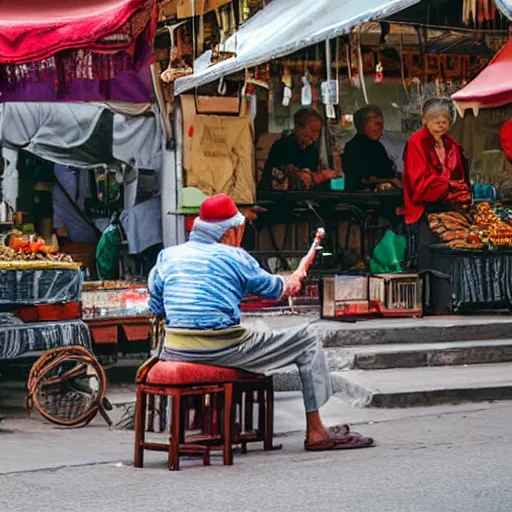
(506, 139)
(217, 208)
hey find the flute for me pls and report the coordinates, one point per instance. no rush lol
(307, 261)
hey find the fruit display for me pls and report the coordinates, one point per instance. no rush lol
(20, 250)
(491, 228)
(484, 226)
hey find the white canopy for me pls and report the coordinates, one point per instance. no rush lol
(285, 26)
(505, 6)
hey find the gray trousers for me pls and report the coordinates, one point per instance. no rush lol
(263, 351)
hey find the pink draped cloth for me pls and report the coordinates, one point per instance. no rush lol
(34, 30)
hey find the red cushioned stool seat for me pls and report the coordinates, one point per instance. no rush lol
(177, 373)
(221, 394)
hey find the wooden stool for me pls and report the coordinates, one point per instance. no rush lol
(222, 391)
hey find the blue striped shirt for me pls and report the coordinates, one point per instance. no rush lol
(201, 285)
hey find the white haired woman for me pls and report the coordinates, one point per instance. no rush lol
(435, 174)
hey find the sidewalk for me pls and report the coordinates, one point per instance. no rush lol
(33, 445)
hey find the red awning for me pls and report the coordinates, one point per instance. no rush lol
(33, 30)
(492, 87)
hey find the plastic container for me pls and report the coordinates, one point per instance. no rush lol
(338, 184)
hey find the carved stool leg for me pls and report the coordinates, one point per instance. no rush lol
(269, 416)
(140, 427)
(151, 413)
(176, 428)
(228, 421)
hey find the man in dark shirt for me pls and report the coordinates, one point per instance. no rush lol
(366, 163)
(294, 160)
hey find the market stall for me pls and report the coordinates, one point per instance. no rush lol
(262, 79)
(471, 259)
(40, 293)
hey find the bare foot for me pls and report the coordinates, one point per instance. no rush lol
(318, 435)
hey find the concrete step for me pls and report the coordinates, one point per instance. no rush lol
(415, 330)
(412, 355)
(439, 329)
(425, 386)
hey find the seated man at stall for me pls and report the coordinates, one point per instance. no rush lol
(366, 162)
(294, 160)
(199, 286)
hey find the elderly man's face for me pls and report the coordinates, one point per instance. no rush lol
(374, 127)
(309, 133)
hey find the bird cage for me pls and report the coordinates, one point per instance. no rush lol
(396, 294)
(344, 296)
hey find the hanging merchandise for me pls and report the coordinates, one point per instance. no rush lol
(479, 13)
(379, 73)
(330, 92)
(286, 79)
(177, 66)
(306, 93)
(249, 92)
(379, 68)
(200, 35)
(330, 88)
(244, 10)
(467, 14)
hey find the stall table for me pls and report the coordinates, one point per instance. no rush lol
(467, 281)
(357, 207)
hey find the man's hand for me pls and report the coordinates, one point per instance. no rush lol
(306, 176)
(293, 284)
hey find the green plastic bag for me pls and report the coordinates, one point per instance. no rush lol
(388, 254)
(108, 253)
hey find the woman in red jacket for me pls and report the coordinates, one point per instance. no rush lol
(435, 176)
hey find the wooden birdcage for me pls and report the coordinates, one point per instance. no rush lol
(396, 294)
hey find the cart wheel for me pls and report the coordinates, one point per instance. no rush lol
(67, 387)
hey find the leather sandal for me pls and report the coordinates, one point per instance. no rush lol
(348, 442)
(341, 430)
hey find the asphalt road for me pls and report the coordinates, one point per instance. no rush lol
(458, 461)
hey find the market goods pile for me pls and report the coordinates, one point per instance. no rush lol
(483, 227)
(21, 249)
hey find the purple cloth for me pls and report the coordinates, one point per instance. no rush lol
(130, 87)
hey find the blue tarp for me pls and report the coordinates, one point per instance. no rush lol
(17, 338)
(37, 287)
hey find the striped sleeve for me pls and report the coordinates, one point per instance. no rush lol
(156, 292)
(258, 281)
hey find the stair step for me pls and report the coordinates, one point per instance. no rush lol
(425, 386)
(414, 330)
(412, 355)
